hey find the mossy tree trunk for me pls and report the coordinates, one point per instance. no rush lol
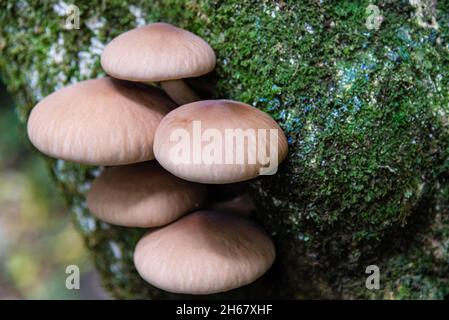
(365, 110)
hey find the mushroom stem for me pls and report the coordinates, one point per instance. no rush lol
(179, 91)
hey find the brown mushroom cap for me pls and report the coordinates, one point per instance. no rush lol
(157, 52)
(204, 252)
(142, 195)
(177, 153)
(99, 122)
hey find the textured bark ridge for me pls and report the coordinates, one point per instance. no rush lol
(365, 110)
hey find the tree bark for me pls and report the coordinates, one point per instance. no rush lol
(365, 104)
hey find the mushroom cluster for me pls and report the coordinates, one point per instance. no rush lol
(127, 122)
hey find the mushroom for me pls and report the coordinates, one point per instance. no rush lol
(203, 253)
(159, 52)
(219, 141)
(98, 122)
(142, 195)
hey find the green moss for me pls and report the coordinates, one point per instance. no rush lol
(365, 111)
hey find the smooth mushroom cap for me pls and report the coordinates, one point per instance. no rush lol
(203, 253)
(157, 52)
(98, 122)
(142, 195)
(179, 91)
(219, 141)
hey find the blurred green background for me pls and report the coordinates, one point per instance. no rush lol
(37, 238)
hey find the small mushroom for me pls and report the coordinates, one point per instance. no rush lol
(219, 141)
(98, 122)
(142, 195)
(160, 52)
(203, 253)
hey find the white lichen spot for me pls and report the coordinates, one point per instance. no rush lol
(33, 78)
(309, 28)
(60, 165)
(22, 5)
(86, 222)
(96, 172)
(87, 59)
(83, 187)
(115, 249)
(57, 52)
(442, 115)
(313, 161)
(61, 80)
(61, 8)
(276, 202)
(420, 189)
(86, 64)
(34, 83)
(272, 12)
(96, 46)
(138, 15)
(95, 24)
(73, 80)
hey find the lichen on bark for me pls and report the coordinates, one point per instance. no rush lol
(365, 112)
